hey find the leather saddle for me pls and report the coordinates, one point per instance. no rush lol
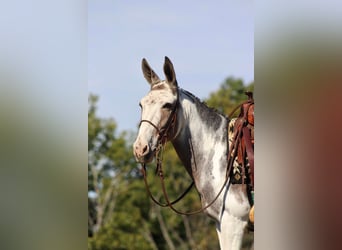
(243, 171)
(244, 137)
(246, 148)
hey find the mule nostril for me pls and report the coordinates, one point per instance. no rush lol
(144, 149)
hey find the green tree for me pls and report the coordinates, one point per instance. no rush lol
(111, 168)
(229, 95)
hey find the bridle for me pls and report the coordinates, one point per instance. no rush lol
(162, 139)
(163, 135)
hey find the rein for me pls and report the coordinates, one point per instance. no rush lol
(162, 139)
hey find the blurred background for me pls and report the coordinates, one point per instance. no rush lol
(45, 57)
(43, 114)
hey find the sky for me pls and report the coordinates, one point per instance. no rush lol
(206, 41)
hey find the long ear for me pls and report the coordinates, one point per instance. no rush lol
(170, 73)
(149, 74)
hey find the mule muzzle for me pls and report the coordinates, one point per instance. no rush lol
(143, 153)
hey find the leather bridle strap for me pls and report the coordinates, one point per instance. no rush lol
(151, 123)
(143, 171)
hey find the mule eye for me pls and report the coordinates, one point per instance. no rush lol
(167, 106)
(140, 105)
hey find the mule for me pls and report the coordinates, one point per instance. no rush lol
(199, 135)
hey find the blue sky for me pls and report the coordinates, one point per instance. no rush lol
(206, 41)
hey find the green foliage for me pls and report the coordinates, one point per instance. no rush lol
(110, 164)
(230, 94)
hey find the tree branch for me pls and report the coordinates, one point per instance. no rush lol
(188, 232)
(163, 228)
(146, 232)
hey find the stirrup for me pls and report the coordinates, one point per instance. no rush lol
(251, 215)
(251, 212)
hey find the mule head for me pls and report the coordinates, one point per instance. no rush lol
(157, 109)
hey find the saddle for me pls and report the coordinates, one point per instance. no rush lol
(244, 127)
(245, 121)
(244, 137)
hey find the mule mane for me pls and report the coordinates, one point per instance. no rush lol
(211, 115)
(201, 103)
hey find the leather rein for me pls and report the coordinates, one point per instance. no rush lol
(163, 134)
